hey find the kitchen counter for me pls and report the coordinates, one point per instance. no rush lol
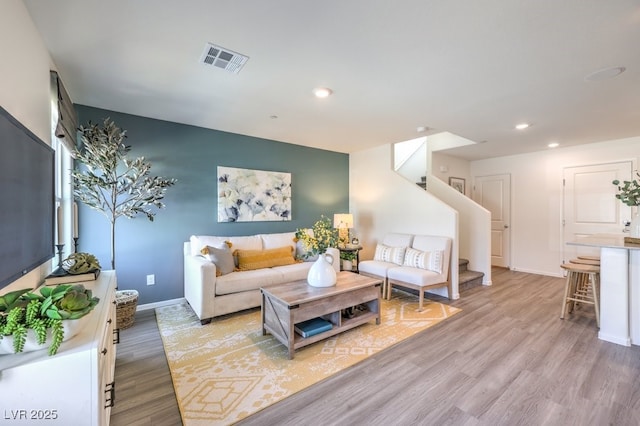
(619, 287)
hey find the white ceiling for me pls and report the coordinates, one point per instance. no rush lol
(474, 68)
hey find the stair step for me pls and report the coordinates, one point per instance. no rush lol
(462, 265)
(469, 279)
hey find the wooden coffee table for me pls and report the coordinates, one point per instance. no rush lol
(285, 305)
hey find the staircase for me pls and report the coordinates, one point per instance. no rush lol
(423, 182)
(467, 279)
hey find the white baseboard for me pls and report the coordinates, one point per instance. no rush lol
(154, 305)
(532, 271)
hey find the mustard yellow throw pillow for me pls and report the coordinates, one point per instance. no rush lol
(258, 259)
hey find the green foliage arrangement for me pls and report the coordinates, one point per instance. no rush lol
(629, 191)
(80, 263)
(22, 310)
(110, 182)
(348, 255)
(324, 236)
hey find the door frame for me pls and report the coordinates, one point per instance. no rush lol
(507, 205)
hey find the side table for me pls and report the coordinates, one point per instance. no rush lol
(350, 248)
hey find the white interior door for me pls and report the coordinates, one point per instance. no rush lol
(494, 194)
(589, 204)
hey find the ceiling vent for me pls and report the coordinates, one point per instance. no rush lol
(223, 58)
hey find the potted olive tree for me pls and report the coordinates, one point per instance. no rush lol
(110, 182)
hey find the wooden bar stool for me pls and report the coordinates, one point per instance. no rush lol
(589, 258)
(582, 286)
(580, 261)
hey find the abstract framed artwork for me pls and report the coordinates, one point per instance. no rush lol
(246, 195)
(457, 184)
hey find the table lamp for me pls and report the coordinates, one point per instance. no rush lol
(343, 221)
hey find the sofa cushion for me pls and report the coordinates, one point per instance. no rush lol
(240, 281)
(376, 267)
(398, 240)
(417, 276)
(271, 241)
(257, 259)
(295, 272)
(431, 260)
(386, 253)
(221, 257)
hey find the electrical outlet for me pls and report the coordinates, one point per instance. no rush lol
(151, 279)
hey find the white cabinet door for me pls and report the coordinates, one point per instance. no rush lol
(589, 204)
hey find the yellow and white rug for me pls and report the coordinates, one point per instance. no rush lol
(225, 371)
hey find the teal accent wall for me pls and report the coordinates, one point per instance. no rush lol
(319, 178)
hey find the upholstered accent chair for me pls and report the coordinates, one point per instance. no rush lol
(395, 245)
(426, 266)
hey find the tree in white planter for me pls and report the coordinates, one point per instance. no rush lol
(111, 183)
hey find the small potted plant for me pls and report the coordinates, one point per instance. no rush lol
(347, 258)
(28, 319)
(629, 194)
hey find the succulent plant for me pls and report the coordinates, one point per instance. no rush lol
(22, 310)
(79, 263)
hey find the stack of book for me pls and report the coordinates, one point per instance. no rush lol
(71, 278)
(312, 327)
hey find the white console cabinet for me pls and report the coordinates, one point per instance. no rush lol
(75, 386)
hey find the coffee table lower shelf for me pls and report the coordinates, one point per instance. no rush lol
(280, 316)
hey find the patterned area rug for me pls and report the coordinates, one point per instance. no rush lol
(225, 371)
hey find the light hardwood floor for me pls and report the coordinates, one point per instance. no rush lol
(506, 359)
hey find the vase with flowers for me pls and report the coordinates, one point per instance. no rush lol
(316, 241)
(629, 194)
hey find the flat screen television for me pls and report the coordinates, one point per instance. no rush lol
(27, 200)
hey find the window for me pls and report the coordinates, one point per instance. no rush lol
(63, 186)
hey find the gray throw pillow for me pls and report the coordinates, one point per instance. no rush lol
(222, 258)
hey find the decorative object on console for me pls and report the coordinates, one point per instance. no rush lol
(630, 195)
(110, 182)
(246, 195)
(343, 222)
(28, 319)
(77, 267)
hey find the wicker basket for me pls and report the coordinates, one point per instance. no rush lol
(126, 304)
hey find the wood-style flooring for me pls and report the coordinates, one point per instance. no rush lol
(506, 359)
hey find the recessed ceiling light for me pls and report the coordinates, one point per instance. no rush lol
(522, 126)
(605, 74)
(553, 145)
(322, 92)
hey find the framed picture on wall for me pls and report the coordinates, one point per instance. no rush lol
(457, 184)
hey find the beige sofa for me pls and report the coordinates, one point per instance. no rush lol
(418, 262)
(211, 296)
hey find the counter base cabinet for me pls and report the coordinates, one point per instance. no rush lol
(73, 387)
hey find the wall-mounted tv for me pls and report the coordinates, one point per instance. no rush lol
(27, 200)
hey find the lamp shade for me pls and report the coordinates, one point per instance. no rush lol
(343, 220)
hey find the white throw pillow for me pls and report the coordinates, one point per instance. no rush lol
(430, 260)
(389, 254)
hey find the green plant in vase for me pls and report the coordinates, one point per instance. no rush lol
(43, 312)
(629, 194)
(323, 236)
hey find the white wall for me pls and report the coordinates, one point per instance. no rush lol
(415, 166)
(382, 201)
(444, 166)
(474, 228)
(24, 87)
(536, 197)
